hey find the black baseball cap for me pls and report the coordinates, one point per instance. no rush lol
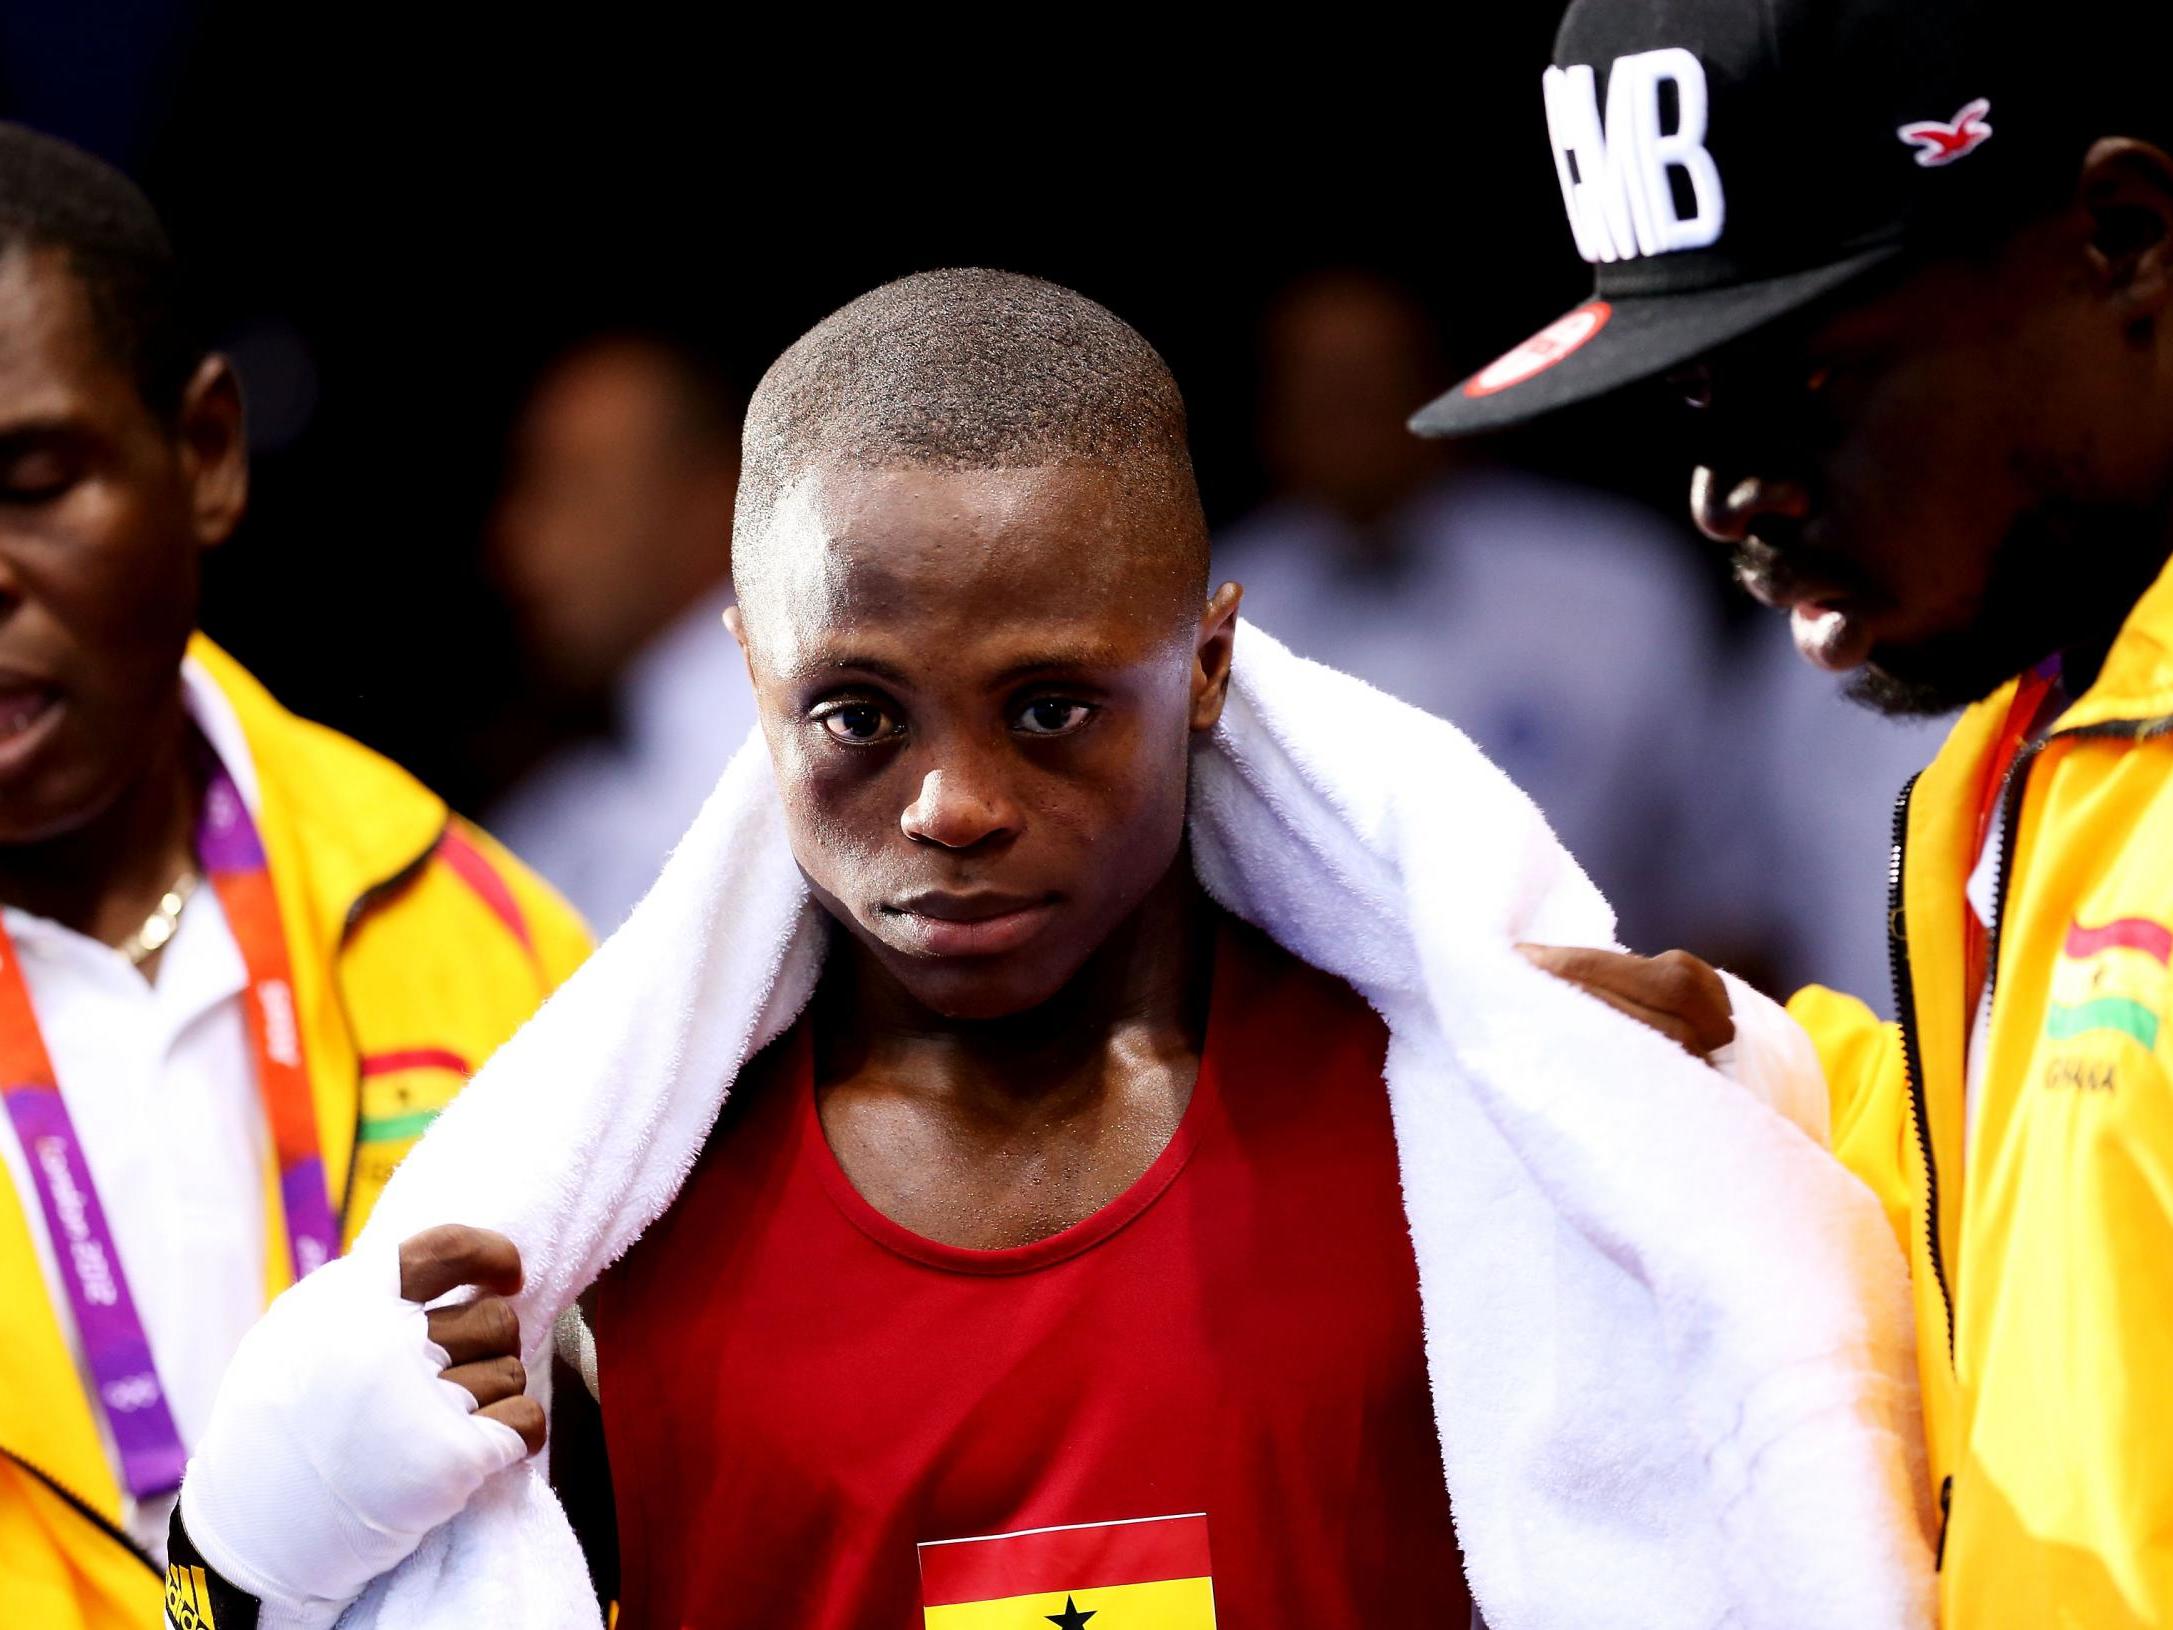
(1726, 163)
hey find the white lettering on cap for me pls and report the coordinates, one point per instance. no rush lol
(1616, 181)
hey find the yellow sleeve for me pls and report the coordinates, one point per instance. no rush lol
(1868, 1086)
(561, 938)
(432, 985)
(563, 942)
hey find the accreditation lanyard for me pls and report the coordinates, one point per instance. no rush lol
(2035, 694)
(114, 1343)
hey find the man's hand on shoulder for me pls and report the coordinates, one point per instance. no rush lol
(352, 1422)
(1711, 1015)
(1674, 993)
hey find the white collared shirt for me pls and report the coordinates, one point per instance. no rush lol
(160, 1083)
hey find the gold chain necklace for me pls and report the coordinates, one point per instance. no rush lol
(159, 927)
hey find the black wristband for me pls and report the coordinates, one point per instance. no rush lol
(196, 1597)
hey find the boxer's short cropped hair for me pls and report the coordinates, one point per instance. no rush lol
(969, 369)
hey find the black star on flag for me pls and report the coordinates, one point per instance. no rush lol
(1071, 1618)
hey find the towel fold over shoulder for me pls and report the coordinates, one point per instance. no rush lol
(1669, 1336)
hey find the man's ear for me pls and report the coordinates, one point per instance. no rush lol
(735, 624)
(1213, 654)
(212, 431)
(2127, 190)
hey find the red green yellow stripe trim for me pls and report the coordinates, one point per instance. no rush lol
(2063, 1022)
(389, 1128)
(2154, 940)
(415, 1058)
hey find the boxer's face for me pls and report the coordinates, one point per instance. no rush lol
(980, 689)
(1964, 470)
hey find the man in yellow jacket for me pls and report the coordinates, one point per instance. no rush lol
(243, 961)
(1912, 262)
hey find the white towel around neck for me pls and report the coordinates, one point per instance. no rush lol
(1669, 1337)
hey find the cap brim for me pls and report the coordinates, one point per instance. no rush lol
(1605, 345)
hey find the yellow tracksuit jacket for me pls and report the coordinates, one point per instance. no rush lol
(2039, 1225)
(418, 945)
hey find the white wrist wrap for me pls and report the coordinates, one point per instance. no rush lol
(334, 1446)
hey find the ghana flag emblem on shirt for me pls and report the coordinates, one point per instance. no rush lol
(1151, 1573)
(2111, 978)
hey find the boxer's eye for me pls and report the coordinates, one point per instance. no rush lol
(860, 723)
(1048, 716)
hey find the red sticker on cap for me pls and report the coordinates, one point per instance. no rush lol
(1558, 340)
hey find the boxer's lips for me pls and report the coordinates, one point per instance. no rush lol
(941, 923)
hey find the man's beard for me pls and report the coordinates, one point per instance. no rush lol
(2062, 582)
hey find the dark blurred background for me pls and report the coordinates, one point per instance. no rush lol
(394, 233)
(394, 221)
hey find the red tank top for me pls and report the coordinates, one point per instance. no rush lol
(1208, 1400)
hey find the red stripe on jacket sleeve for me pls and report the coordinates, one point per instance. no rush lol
(469, 865)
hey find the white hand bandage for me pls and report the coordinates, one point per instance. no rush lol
(334, 1446)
